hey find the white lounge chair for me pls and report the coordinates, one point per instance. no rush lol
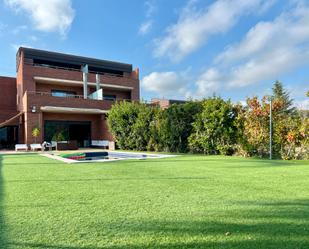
(100, 143)
(36, 147)
(21, 147)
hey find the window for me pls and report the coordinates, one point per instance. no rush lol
(63, 94)
(109, 97)
(55, 64)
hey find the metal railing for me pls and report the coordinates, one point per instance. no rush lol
(70, 96)
(75, 70)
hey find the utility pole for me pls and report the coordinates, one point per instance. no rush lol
(270, 129)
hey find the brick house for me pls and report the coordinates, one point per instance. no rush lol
(62, 93)
(165, 103)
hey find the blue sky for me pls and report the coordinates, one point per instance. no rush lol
(184, 48)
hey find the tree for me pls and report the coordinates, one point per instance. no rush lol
(215, 129)
(173, 126)
(36, 133)
(129, 122)
(141, 127)
(279, 93)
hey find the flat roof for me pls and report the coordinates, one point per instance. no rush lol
(32, 53)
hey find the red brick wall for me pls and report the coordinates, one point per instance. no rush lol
(48, 87)
(8, 106)
(162, 103)
(30, 71)
(25, 82)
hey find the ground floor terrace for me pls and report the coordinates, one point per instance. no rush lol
(55, 125)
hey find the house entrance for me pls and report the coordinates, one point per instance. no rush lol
(79, 131)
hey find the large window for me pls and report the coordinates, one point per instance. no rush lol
(8, 137)
(63, 94)
(109, 97)
(79, 131)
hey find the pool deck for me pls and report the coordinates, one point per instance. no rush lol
(8, 152)
(55, 156)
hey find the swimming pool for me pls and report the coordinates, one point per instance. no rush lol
(103, 156)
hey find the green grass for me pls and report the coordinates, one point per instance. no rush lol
(182, 202)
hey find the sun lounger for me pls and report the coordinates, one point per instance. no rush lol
(21, 147)
(36, 147)
(100, 143)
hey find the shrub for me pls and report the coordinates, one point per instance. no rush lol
(36, 132)
(129, 122)
(172, 127)
(215, 128)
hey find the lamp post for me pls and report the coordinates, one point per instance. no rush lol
(270, 128)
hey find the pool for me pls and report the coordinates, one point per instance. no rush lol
(103, 156)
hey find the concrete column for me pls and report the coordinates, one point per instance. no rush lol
(85, 80)
(97, 80)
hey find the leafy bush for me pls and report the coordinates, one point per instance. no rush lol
(59, 136)
(172, 127)
(36, 131)
(215, 129)
(129, 122)
(214, 126)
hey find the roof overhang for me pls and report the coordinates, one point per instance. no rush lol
(32, 53)
(48, 80)
(69, 110)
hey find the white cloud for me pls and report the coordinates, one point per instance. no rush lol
(47, 15)
(150, 8)
(302, 104)
(287, 30)
(165, 83)
(208, 83)
(145, 27)
(268, 51)
(195, 26)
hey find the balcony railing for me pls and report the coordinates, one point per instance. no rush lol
(72, 96)
(74, 69)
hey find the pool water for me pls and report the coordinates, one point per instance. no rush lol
(104, 155)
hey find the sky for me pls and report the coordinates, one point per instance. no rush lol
(185, 49)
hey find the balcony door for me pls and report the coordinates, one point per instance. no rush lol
(8, 137)
(79, 131)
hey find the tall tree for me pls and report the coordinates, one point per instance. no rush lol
(280, 94)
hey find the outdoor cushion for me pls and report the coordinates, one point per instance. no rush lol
(35, 146)
(21, 147)
(101, 143)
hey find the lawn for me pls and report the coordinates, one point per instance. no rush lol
(182, 202)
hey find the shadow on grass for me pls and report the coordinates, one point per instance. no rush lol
(254, 225)
(283, 224)
(3, 240)
(112, 179)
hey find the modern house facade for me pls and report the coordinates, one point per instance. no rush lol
(63, 95)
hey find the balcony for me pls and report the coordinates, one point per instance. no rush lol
(43, 101)
(125, 80)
